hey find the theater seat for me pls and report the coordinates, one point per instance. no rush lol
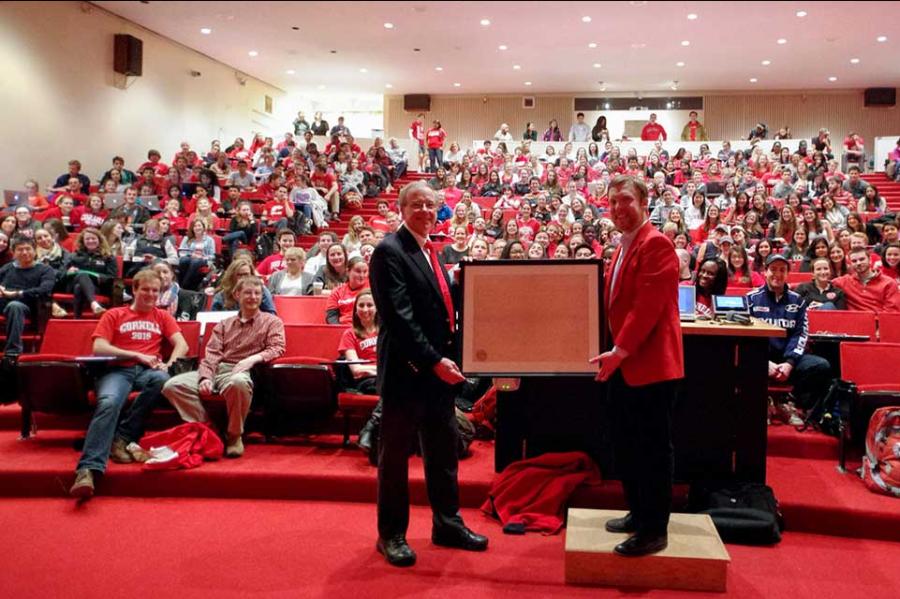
(871, 367)
(52, 380)
(306, 309)
(351, 404)
(842, 322)
(299, 388)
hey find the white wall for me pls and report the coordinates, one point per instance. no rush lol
(61, 99)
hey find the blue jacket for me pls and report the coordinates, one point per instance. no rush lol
(788, 313)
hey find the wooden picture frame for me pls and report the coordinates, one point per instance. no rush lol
(531, 317)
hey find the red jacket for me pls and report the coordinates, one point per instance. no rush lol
(880, 294)
(192, 443)
(642, 314)
(533, 493)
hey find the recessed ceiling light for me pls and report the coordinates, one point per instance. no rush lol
(597, 65)
(854, 61)
(502, 47)
(438, 68)
(517, 67)
(388, 25)
(674, 88)
(457, 84)
(388, 85)
(592, 45)
(801, 13)
(364, 70)
(679, 64)
(766, 63)
(290, 71)
(205, 30)
(832, 79)
(753, 79)
(485, 22)
(781, 41)
(528, 83)
(692, 17)
(585, 19)
(881, 38)
(685, 43)
(252, 53)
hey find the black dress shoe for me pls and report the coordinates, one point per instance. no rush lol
(639, 545)
(396, 551)
(624, 524)
(459, 538)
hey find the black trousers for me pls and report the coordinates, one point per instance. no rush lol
(433, 418)
(642, 449)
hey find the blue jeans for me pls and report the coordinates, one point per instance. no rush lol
(190, 272)
(112, 393)
(15, 312)
(233, 239)
(435, 158)
(811, 378)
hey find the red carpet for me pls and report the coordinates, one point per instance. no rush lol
(166, 548)
(815, 497)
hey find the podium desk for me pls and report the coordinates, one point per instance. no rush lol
(718, 422)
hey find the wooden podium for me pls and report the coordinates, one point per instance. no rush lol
(695, 560)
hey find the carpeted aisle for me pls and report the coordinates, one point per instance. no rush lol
(136, 547)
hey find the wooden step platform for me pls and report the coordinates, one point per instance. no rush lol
(695, 560)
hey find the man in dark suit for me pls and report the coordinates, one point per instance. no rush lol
(417, 374)
(643, 367)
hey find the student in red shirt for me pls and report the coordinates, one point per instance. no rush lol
(417, 132)
(133, 335)
(153, 161)
(865, 288)
(280, 211)
(435, 140)
(653, 131)
(360, 342)
(275, 262)
(326, 184)
(339, 309)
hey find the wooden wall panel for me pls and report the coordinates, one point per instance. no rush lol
(727, 115)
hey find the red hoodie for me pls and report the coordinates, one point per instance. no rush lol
(532, 493)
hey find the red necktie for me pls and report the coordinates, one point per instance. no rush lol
(442, 283)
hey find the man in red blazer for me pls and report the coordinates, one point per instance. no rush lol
(643, 367)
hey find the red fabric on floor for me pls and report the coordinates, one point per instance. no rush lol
(533, 493)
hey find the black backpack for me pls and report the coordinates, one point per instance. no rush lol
(9, 380)
(831, 413)
(744, 513)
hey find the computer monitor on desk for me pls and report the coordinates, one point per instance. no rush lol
(687, 303)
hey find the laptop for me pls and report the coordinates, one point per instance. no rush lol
(687, 303)
(715, 188)
(111, 201)
(726, 305)
(14, 198)
(149, 202)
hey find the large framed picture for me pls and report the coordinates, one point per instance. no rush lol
(521, 318)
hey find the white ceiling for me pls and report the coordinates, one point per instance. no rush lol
(638, 44)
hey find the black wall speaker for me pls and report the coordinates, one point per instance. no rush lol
(880, 96)
(417, 102)
(128, 55)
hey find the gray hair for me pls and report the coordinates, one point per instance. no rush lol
(413, 188)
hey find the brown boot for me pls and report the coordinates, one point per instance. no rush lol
(84, 484)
